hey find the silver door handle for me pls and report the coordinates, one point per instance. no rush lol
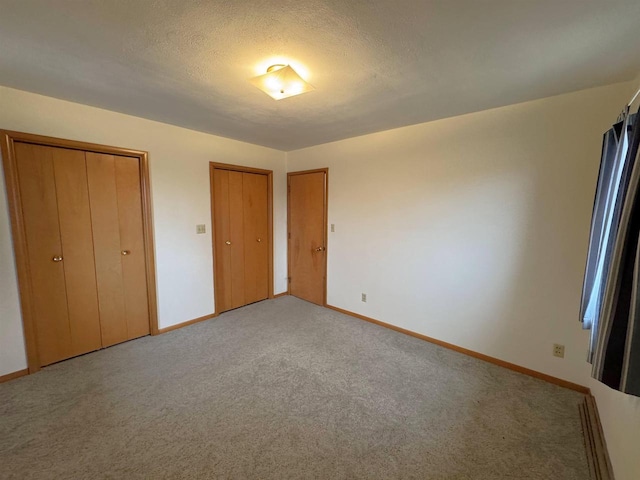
(319, 249)
(228, 242)
(57, 258)
(259, 240)
(126, 252)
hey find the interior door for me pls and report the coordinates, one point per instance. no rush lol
(236, 235)
(77, 249)
(240, 205)
(66, 206)
(222, 245)
(55, 206)
(134, 271)
(256, 244)
(116, 213)
(228, 205)
(307, 234)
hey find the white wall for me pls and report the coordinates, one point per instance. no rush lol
(12, 351)
(474, 230)
(620, 418)
(179, 168)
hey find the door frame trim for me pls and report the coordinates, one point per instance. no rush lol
(240, 168)
(326, 230)
(18, 234)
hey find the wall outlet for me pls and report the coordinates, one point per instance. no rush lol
(558, 350)
(333, 227)
(200, 229)
(364, 297)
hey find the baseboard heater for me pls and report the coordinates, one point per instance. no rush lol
(597, 454)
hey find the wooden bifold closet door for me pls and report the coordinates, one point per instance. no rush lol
(116, 206)
(241, 248)
(55, 205)
(83, 223)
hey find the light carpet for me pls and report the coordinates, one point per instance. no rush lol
(284, 389)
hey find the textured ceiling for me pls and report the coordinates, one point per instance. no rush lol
(376, 64)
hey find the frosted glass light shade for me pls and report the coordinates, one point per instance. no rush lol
(282, 82)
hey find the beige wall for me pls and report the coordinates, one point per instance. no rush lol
(474, 230)
(179, 166)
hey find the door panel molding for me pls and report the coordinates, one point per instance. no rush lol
(325, 221)
(217, 284)
(8, 140)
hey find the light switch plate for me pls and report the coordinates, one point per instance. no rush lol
(333, 227)
(200, 229)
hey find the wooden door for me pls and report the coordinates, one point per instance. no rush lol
(229, 239)
(77, 249)
(116, 213)
(55, 208)
(236, 235)
(307, 235)
(53, 226)
(256, 226)
(222, 239)
(134, 275)
(242, 237)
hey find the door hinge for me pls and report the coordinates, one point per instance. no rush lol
(289, 235)
(289, 279)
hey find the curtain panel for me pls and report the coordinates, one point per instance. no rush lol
(610, 304)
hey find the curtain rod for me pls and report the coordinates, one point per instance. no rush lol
(634, 98)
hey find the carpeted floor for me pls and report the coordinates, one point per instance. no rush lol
(284, 389)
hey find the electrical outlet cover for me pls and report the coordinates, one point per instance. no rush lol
(558, 350)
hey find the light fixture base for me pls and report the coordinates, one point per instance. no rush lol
(277, 66)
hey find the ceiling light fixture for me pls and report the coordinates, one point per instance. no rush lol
(281, 81)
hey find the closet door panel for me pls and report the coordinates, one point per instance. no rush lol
(106, 236)
(40, 213)
(77, 246)
(236, 228)
(223, 235)
(127, 171)
(256, 259)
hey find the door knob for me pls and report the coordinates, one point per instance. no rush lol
(126, 252)
(319, 249)
(228, 242)
(57, 259)
(259, 240)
